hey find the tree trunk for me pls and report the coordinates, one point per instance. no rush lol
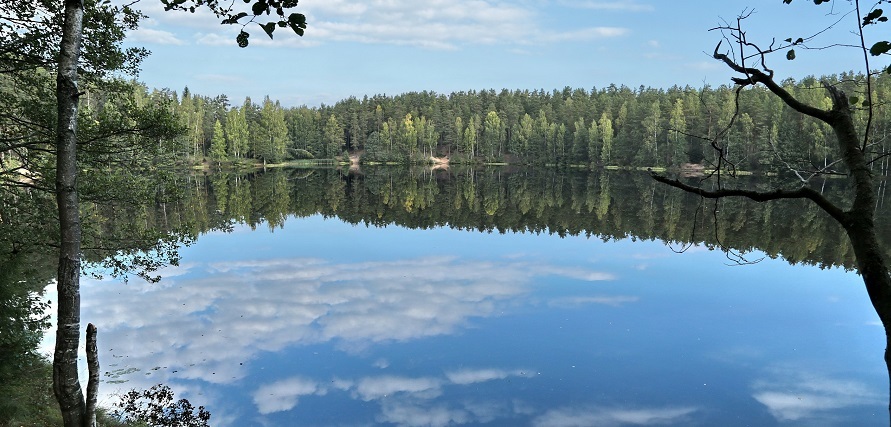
(66, 384)
(93, 378)
(859, 220)
(873, 268)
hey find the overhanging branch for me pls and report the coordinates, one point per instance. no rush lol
(754, 75)
(759, 196)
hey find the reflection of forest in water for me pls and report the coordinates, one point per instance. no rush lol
(606, 205)
(602, 204)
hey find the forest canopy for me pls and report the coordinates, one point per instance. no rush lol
(611, 126)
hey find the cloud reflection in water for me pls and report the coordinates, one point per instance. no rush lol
(206, 320)
(793, 395)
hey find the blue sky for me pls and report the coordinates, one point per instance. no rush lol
(356, 48)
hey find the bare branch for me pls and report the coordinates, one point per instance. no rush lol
(759, 196)
(754, 75)
(868, 77)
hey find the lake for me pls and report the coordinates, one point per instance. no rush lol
(495, 297)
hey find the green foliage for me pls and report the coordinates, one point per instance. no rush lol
(26, 397)
(492, 138)
(648, 127)
(299, 154)
(278, 9)
(156, 407)
(237, 132)
(31, 37)
(606, 138)
(126, 138)
(332, 137)
(270, 133)
(218, 142)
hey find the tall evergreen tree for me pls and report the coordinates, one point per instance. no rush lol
(271, 134)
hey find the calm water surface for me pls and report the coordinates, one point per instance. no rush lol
(322, 322)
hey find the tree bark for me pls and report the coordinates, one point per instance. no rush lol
(93, 381)
(859, 220)
(66, 384)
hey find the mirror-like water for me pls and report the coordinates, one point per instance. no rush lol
(326, 322)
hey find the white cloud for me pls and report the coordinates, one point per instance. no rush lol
(571, 272)
(282, 38)
(282, 395)
(471, 376)
(587, 34)
(794, 395)
(409, 413)
(408, 401)
(650, 255)
(152, 36)
(210, 318)
(204, 327)
(614, 301)
(705, 66)
(434, 24)
(618, 6)
(581, 417)
(221, 78)
(373, 388)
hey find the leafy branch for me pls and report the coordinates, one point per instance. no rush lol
(276, 8)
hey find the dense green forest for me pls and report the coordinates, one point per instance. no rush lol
(612, 126)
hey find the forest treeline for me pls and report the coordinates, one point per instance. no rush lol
(611, 126)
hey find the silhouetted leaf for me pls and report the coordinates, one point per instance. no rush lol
(872, 16)
(233, 19)
(880, 48)
(268, 27)
(297, 19)
(242, 39)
